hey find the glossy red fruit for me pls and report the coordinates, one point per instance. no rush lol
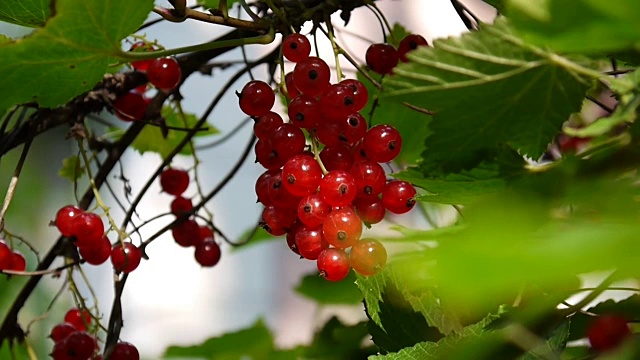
(206, 233)
(354, 128)
(338, 188)
(174, 181)
(186, 233)
(359, 154)
(296, 47)
(311, 76)
(358, 92)
(277, 220)
(368, 257)
(399, 196)
(264, 126)
(312, 210)
(304, 111)
(164, 73)
(381, 58)
(6, 256)
(61, 331)
(88, 229)
(125, 258)
(410, 43)
(99, 253)
(64, 219)
(267, 156)
(80, 345)
(337, 157)
(291, 236)
(130, 106)
(78, 318)
(291, 90)
(181, 205)
(337, 101)
(608, 332)
(125, 351)
(333, 264)
(18, 262)
(342, 228)
(331, 134)
(310, 242)
(278, 194)
(370, 211)
(370, 179)
(382, 143)
(208, 253)
(141, 46)
(288, 140)
(262, 186)
(301, 175)
(257, 98)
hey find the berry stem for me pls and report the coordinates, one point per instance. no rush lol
(602, 287)
(384, 19)
(336, 49)
(316, 153)
(224, 9)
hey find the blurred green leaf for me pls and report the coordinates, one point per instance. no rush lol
(30, 13)
(555, 343)
(315, 287)
(498, 4)
(257, 237)
(336, 340)
(72, 168)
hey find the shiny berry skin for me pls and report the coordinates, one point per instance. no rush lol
(358, 91)
(61, 331)
(97, 254)
(337, 157)
(125, 259)
(130, 106)
(301, 175)
(78, 318)
(267, 156)
(88, 229)
(125, 351)
(265, 125)
(207, 253)
(257, 98)
(331, 134)
(608, 332)
(174, 181)
(311, 76)
(186, 233)
(18, 262)
(312, 210)
(333, 264)
(296, 47)
(6, 256)
(277, 220)
(342, 228)
(370, 179)
(310, 242)
(304, 111)
(181, 205)
(354, 127)
(368, 257)
(382, 143)
(278, 194)
(338, 101)
(262, 186)
(410, 43)
(370, 211)
(359, 154)
(288, 140)
(140, 46)
(291, 91)
(398, 196)
(164, 73)
(381, 58)
(338, 188)
(80, 345)
(291, 236)
(64, 219)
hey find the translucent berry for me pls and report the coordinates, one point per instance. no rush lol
(338, 188)
(296, 47)
(333, 264)
(174, 181)
(78, 318)
(291, 236)
(97, 254)
(337, 157)
(358, 91)
(267, 156)
(354, 128)
(304, 111)
(140, 46)
(257, 98)
(288, 140)
(368, 257)
(64, 219)
(125, 258)
(370, 179)
(279, 196)
(88, 229)
(207, 253)
(61, 331)
(186, 233)
(164, 73)
(262, 186)
(264, 126)
(181, 205)
(338, 101)
(608, 332)
(130, 106)
(277, 220)
(381, 58)
(382, 143)
(370, 211)
(312, 210)
(311, 76)
(342, 228)
(410, 43)
(301, 175)
(310, 242)
(398, 196)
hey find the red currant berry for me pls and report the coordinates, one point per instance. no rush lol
(311, 76)
(337, 157)
(354, 127)
(207, 253)
(312, 210)
(337, 101)
(301, 175)
(368, 257)
(410, 43)
(382, 143)
(296, 47)
(262, 186)
(278, 194)
(257, 98)
(265, 125)
(88, 229)
(130, 106)
(141, 46)
(359, 154)
(78, 318)
(267, 156)
(371, 212)
(304, 111)
(342, 228)
(607, 332)
(398, 196)
(64, 219)
(18, 262)
(277, 220)
(174, 181)
(288, 140)
(331, 134)
(80, 345)
(370, 179)
(181, 205)
(333, 264)
(6, 256)
(164, 73)
(61, 331)
(338, 188)
(358, 92)
(186, 233)
(310, 242)
(125, 258)
(206, 233)
(125, 351)
(291, 90)
(60, 351)
(381, 58)
(98, 254)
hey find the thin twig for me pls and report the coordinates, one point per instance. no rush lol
(11, 190)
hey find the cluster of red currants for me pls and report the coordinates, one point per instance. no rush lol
(608, 332)
(164, 73)
(383, 58)
(73, 342)
(188, 232)
(87, 232)
(320, 198)
(11, 259)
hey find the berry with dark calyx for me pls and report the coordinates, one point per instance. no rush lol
(333, 264)
(6, 256)
(338, 101)
(130, 106)
(207, 253)
(354, 127)
(608, 332)
(79, 318)
(399, 196)
(257, 98)
(338, 188)
(265, 125)
(267, 156)
(291, 90)
(97, 254)
(125, 258)
(64, 219)
(381, 58)
(370, 179)
(80, 345)
(358, 92)
(181, 205)
(368, 257)
(301, 175)
(174, 181)
(382, 143)
(186, 233)
(304, 111)
(359, 154)
(278, 194)
(337, 157)
(262, 186)
(312, 210)
(291, 236)
(310, 242)
(88, 229)
(331, 134)
(370, 211)
(164, 73)
(141, 46)
(311, 76)
(296, 47)
(342, 228)
(288, 140)
(61, 331)
(410, 43)
(277, 220)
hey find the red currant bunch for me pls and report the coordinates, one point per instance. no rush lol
(383, 58)
(87, 231)
(11, 259)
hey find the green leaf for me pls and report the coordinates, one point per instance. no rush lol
(72, 168)
(152, 139)
(336, 340)
(29, 13)
(70, 54)
(584, 26)
(555, 343)
(315, 287)
(487, 88)
(498, 4)
(13, 350)
(398, 32)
